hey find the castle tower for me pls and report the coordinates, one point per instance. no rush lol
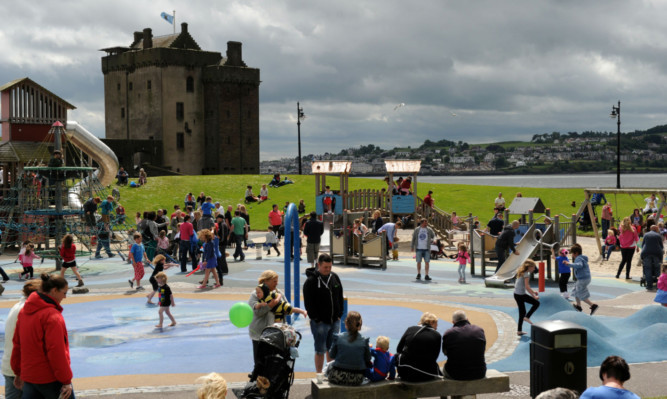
(172, 105)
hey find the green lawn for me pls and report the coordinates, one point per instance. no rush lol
(164, 192)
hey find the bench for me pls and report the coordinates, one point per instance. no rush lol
(494, 382)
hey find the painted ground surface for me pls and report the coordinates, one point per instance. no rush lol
(117, 337)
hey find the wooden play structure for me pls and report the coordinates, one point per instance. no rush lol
(351, 249)
(336, 199)
(661, 196)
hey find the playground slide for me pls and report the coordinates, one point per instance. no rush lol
(99, 152)
(507, 271)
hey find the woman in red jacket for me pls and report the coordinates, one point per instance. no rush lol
(40, 358)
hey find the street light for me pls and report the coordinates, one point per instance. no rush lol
(299, 116)
(616, 114)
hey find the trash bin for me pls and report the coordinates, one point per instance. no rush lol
(557, 356)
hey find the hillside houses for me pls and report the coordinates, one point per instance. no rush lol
(463, 158)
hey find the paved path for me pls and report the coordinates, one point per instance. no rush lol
(111, 322)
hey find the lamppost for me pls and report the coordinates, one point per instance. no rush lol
(616, 114)
(299, 115)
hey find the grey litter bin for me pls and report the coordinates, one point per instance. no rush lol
(557, 356)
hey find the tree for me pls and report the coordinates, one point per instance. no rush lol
(501, 162)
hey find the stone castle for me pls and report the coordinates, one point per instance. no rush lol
(174, 107)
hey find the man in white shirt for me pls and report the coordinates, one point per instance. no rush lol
(500, 203)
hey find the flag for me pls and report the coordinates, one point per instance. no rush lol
(167, 17)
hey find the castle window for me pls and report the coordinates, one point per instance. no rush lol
(249, 114)
(229, 140)
(122, 112)
(229, 114)
(190, 85)
(180, 111)
(119, 86)
(130, 85)
(180, 141)
(148, 85)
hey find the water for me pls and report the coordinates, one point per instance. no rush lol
(607, 180)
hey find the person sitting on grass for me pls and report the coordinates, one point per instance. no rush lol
(249, 196)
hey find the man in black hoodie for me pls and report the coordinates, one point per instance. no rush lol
(323, 298)
(506, 242)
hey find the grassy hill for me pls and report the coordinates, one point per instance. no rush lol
(164, 192)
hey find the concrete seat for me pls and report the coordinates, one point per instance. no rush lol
(494, 382)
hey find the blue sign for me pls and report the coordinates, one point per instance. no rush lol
(403, 204)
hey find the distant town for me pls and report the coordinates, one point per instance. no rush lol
(641, 151)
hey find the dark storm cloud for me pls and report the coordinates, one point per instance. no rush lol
(508, 69)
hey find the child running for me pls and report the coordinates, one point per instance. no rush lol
(463, 258)
(383, 361)
(209, 258)
(26, 261)
(520, 287)
(583, 274)
(661, 296)
(166, 299)
(271, 241)
(136, 256)
(563, 270)
(68, 255)
(283, 308)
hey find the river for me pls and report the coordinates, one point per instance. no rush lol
(607, 180)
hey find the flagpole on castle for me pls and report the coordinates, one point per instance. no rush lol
(174, 24)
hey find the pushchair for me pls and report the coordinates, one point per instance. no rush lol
(277, 353)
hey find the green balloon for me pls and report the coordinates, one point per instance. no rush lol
(240, 314)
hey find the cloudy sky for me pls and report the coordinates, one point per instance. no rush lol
(507, 69)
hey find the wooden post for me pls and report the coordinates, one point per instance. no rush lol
(414, 196)
(391, 194)
(557, 228)
(483, 253)
(471, 231)
(574, 228)
(531, 219)
(346, 238)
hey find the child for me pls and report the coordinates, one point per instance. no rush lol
(661, 296)
(26, 261)
(158, 263)
(136, 256)
(67, 254)
(271, 241)
(213, 386)
(137, 218)
(610, 243)
(209, 258)
(583, 274)
(302, 207)
(463, 258)
(564, 270)
(282, 309)
(166, 299)
(163, 243)
(249, 196)
(384, 363)
(263, 193)
(520, 287)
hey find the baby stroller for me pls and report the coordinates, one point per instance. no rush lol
(277, 353)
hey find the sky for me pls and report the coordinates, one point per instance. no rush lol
(477, 71)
